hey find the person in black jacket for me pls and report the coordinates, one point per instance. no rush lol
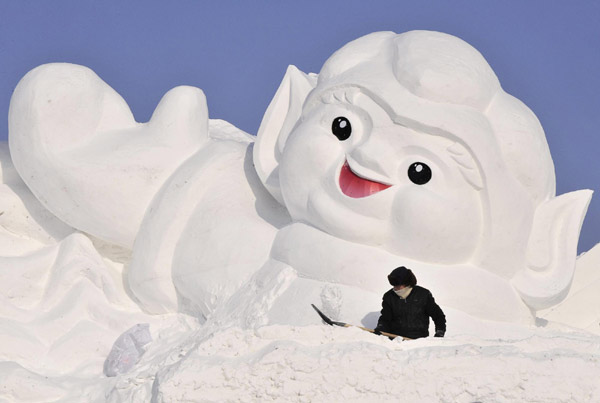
(406, 308)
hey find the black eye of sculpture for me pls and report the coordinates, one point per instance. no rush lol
(341, 128)
(419, 173)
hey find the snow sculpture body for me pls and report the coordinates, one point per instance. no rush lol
(404, 149)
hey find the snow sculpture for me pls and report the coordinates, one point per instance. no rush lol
(404, 149)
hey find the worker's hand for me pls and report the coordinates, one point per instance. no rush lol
(439, 333)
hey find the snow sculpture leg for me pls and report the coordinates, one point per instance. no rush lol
(77, 146)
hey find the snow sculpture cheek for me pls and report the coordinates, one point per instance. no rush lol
(312, 162)
(440, 225)
(308, 166)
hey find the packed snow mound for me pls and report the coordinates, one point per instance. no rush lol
(326, 364)
(322, 363)
(62, 307)
(581, 307)
(62, 301)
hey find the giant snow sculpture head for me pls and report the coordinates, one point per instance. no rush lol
(409, 143)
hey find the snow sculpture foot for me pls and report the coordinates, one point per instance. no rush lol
(77, 146)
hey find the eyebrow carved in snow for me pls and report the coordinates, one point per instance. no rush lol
(466, 164)
(346, 95)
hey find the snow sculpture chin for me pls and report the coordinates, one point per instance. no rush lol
(403, 150)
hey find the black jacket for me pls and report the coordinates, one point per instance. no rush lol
(410, 317)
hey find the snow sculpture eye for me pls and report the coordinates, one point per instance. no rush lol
(341, 128)
(419, 173)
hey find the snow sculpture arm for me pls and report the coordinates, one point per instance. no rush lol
(76, 145)
(205, 232)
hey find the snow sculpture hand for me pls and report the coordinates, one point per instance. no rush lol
(408, 142)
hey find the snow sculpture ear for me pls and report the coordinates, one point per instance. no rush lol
(279, 120)
(552, 250)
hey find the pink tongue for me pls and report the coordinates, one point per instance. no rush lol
(355, 186)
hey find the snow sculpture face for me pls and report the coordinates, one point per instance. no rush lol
(349, 170)
(408, 142)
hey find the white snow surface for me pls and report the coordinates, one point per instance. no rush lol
(64, 305)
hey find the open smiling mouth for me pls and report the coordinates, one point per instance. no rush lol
(354, 186)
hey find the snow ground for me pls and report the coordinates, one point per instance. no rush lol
(318, 363)
(187, 361)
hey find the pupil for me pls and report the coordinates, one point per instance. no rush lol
(419, 173)
(341, 128)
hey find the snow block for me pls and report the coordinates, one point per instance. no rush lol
(127, 350)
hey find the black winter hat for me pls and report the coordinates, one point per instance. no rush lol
(397, 276)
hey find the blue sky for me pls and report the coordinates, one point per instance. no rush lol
(547, 53)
